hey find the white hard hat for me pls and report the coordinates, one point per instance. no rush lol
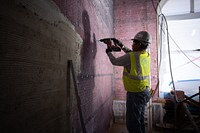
(143, 37)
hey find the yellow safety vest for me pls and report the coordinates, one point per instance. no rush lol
(138, 78)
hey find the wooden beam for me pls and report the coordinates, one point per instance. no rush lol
(191, 118)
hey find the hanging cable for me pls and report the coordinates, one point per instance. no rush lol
(169, 57)
(161, 34)
(171, 36)
(183, 52)
(177, 101)
(168, 35)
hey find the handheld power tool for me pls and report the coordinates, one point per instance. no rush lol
(110, 45)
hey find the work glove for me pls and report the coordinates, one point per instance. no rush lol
(108, 50)
(116, 41)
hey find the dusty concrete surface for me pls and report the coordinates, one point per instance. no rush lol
(118, 128)
(37, 38)
(36, 41)
(93, 20)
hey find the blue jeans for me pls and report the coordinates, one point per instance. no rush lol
(135, 109)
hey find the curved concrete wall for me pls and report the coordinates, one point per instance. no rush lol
(37, 38)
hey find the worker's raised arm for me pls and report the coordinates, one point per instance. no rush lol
(126, 50)
(121, 45)
(120, 61)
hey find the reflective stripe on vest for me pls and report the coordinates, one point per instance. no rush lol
(138, 70)
(135, 77)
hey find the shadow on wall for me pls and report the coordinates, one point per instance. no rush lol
(89, 49)
(86, 77)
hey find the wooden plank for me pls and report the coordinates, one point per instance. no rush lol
(77, 96)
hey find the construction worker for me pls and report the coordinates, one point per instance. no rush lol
(136, 63)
